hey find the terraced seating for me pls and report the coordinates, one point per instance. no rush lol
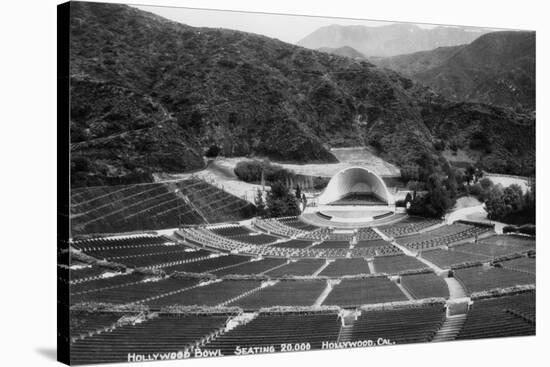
(500, 317)
(300, 267)
(117, 209)
(153, 260)
(207, 265)
(425, 286)
(341, 267)
(230, 230)
(333, 244)
(499, 245)
(408, 226)
(269, 329)
(527, 264)
(114, 243)
(278, 227)
(294, 244)
(447, 258)
(367, 234)
(443, 236)
(317, 235)
(384, 250)
(371, 243)
(134, 292)
(87, 273)
(397, 264)
(82, 323)
(166, 333)
(252, 267)
(116, 280)
(297, 223)
(340, 237)
(217, 205)
(284, 293)
(203, 237)
(212, 294)
(482, 278)
(401, 326)
(356, 292)
(257, 239)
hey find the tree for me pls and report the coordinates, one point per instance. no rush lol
(298, 192)
(435, 203)
(280, 202)
(260, 203)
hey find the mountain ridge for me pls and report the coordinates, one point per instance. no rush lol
(389, 40)
(246, 94)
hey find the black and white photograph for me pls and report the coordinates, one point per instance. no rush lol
(237, 183)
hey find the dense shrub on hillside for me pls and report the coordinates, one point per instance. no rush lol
(251, 171)
(529, 229)
(511, 205)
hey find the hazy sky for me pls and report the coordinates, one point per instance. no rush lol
(287, 28)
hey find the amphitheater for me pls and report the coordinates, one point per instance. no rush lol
(350, 271)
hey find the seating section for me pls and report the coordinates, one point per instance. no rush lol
(257, 239)
(207, 265)
(166, 333)
(333, 244)
(300, 267)
(400, 326)
(284, 293)
(407, 226)
(135, 292)
(448, 258)
(297, 223)
(527, 264)
(294, 244)
(397, 264)
(117, 209)
(252, 267)
(367, 234)
(371, 243)
(356, 292)
(482, 278)
(500, 317)
(212, 294)
(443, 236)
(425, 285)
(113, 281)
(495, 246)
(230, 230)
(279, 227)
(275, 329)
(341, 267)
(83, 323)
(384, 249)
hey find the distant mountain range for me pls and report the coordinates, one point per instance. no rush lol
(389, 40)
(151, 95)
(497, 68)
(345, 51)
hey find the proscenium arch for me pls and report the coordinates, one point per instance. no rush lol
(355, 179)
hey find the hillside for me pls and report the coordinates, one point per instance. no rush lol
(389, 40)
(345, 51)
(150, 95)
(497, 68)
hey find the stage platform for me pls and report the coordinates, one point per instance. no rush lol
(357, 216)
